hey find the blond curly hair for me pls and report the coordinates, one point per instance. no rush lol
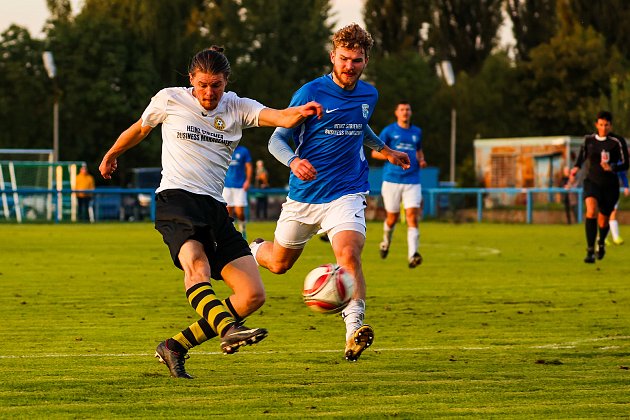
(353, 37)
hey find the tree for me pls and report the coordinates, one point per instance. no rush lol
(107, 77)
(25, 92)
(464, 32)
(533, 23)
(167, 29)
(274, 48)
(395, 25)
(606, 17)
(416, 83)
(567, 79)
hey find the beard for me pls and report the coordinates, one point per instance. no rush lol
(348, 81)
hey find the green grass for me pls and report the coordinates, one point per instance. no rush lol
(500, 321)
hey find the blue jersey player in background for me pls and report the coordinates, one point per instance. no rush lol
(329, 175)
(612, 222)
(237, 181)
(402, 185)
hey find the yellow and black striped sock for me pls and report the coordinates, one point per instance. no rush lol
(204, 301)
(192, 336)
(228, 305)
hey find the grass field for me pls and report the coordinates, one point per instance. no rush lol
(500, 321)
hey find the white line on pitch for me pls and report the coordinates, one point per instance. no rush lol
(555, 346)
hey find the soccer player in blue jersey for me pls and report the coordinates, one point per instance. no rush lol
(399, 184)
(237, 181)
(614, 224)
(329, 175)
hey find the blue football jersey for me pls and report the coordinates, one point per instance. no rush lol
(236, 173)
(334, 143)
(408, 140)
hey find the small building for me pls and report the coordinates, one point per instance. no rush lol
(524, 162)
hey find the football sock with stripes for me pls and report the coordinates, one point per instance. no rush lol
(197, 333)
(192, 336)
(413, 239)
(590, 225)
(228, 305)
(205, 303)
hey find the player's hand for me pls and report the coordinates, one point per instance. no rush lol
(311, 108)
(107, 167)
(626, 192)
(422, 163)
(397, 158)
(303, 169)
(606, 166)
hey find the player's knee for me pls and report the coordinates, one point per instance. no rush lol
(256, 299)
(197, 274)
(280, 267)
(349, 255)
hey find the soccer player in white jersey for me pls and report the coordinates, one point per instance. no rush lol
(328, 179)
(237, 181)
(201, 127)
(401, 184)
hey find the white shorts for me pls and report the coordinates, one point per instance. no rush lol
(298, 221)
(393, 194)
(235, 197)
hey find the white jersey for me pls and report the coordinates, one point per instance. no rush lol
(197, 144)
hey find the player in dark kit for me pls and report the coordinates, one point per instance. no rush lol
(605, 154)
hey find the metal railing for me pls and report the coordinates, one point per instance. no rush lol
(10, 201)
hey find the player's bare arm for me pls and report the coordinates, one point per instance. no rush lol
(303, 169)
(249, 172)
(127, 139)
(572, 174)
(289, 117)
(395, 157)
(421, 161)
(378, 155)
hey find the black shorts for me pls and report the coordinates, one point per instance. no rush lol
(606, 195)
(181, 215)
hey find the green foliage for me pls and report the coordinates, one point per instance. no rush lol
(608, 18)
(23, 83)
(489, 105)
(533, 23)
(566, 78)
(115, 54)
(394, 25)
(488, 326)
(274, 48)
(464, 32)
(107, 78)
(416, 83)
(620, 103)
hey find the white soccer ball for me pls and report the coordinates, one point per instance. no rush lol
(328, 289)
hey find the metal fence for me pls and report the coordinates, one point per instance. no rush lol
(517, 205)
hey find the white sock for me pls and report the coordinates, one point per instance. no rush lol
(255, 246)
(241, 225)
(413, 240)
(614, 229)
(387, 233)
(353, 316)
